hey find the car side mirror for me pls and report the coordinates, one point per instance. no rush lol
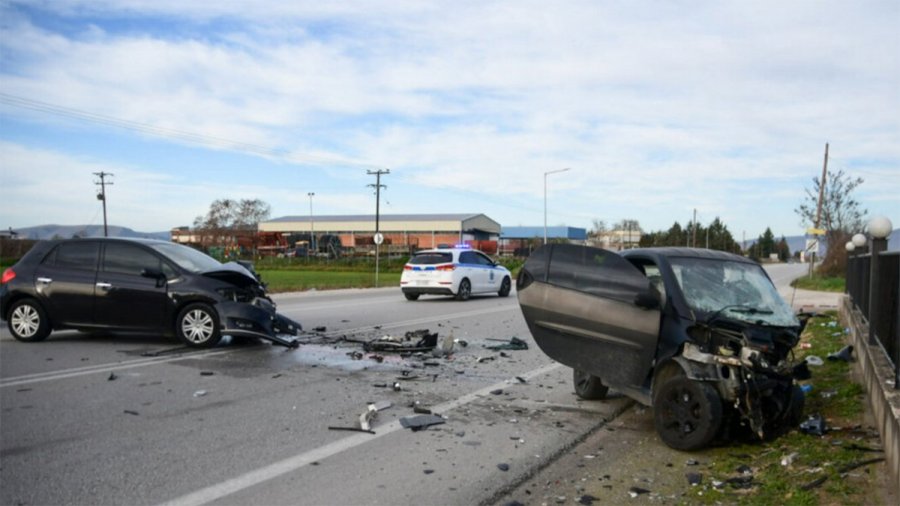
(646, 299)
(156, 274)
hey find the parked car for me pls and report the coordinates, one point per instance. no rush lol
(458, 271)
(137, 285)
(701, 336)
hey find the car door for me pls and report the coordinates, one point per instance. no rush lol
(491, 275)
(126, 299)
(473, 270)
(65, 282)
(581, 305)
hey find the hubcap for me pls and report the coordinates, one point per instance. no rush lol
(25, 320)
(197, 326)
(684, 411)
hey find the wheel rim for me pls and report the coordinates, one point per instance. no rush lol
(682, 412)
(197, 326)
(464, 289)
(505, 286)
(25, 321)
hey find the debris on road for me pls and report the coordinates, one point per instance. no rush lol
(636, 491)
(420, 422)
(351, 429)
(815, 361)
(200, 393)
(814, 426)
(207, 373)
(371, 413)
(112, 377)
(845, 354)
(320, 329)
(129, 412)
(503, 467)
(514, 343)
(694, 479)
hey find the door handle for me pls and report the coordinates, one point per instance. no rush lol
(45, 281)
(104, 286)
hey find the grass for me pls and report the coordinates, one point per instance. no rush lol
(299, 280)
(821, 284)
(841, 402)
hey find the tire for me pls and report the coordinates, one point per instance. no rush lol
(464, 291)
(28, 322)
(588, 386)
(687, 413)
(198, 325)
(411, 296)
(505, 287)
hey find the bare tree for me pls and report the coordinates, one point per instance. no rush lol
(225, 216)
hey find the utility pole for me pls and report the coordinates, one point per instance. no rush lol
(102, 196)
(694, 230)
(378, 238)
(812, 262)
(312, 228)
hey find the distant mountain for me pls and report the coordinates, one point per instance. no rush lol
(42, 232)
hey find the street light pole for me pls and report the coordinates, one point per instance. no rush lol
(545, 197)
(312, 226)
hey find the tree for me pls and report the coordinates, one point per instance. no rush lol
(841, 216)
(227, 216)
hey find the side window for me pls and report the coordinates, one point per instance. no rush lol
(467, 257)
(128, 259)
(595, 271)
(75, 255)
(483, 260)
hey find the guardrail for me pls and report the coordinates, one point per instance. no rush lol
(873, 284)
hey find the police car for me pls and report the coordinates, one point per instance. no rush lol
(459, 271)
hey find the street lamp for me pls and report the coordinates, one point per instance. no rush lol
(545, 197)
(312, 226)
(858, 241)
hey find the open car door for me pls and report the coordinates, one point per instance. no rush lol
(592, 310)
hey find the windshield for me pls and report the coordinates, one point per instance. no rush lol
(188, 258)
(739, 291)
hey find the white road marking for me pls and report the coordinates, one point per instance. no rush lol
(102, 368)
(290, 464)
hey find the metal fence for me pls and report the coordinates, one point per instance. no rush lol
(875, 291)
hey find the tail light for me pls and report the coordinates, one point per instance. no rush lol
(445, 267)
(8, 275)
(407, 267)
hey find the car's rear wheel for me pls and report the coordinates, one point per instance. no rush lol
(411, 296)
(505, 287)
(464, 291)
(588, 386)
(198, 325)
(687, 413)
(28, 322)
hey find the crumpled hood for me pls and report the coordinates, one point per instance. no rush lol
(233, 273)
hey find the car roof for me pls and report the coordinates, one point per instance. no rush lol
(446, 250)
(672, 252)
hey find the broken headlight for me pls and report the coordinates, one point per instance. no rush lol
(236, 294)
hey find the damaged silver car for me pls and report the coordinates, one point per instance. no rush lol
(702, 336)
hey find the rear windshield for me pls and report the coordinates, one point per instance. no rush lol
(431, 258)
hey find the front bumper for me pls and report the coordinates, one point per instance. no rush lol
(257, 319)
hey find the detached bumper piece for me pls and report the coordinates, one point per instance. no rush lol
(258, 319)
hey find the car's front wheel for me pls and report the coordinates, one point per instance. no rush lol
(588, 386)
(687, 413)
(505, 287)
(198, 325)
(28, 322)
(464, 291)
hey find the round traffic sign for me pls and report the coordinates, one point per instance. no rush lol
(379, 238)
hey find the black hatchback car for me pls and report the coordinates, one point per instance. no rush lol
(701, 336)
(137, 285)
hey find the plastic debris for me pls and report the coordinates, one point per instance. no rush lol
(112, 377)
(200, 393)
(692, 462)
(503, 467)
(417, 423)
(352, 429)
(207, 373)
(636, 491)
(694, 478)
(320, 329)
(814, 426)
(587, 500)
(844, 354)
(806, 388)
(815, 361)
(498, 391)
(789, 459)
(485, 359)
(129, 412)
(419, 410)
(514, 344)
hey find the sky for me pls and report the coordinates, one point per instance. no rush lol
(657, 108)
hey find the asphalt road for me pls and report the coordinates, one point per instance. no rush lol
(136, 419)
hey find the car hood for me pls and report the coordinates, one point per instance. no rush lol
(232, 273)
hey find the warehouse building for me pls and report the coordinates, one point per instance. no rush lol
(401, 232)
